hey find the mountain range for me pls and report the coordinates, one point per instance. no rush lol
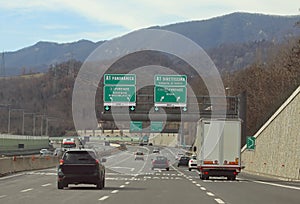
(232, 29)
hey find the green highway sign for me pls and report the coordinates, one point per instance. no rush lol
(170, 96)
(170, 80)
(136, 126)
(119, 79)
(250, 143)
(119, 96)
(156, 126)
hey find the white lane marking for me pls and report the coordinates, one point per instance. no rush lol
(194, 182)
(210, 194)
(103, 198)
(123, 186)
(278, 185)
(203, 189)
(115, 191)
(47, 184)
(26, 190)
(3, 196)
(127, 183)
(198, 185)
(218, 200)
(12, 176)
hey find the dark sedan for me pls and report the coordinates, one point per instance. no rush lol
(183, 161)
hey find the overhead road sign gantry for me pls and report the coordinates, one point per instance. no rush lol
(170, 91)
(136, 126)
(170, 80)
(170, 96)
(120, 79)
(119, 90)
(156, 126)
(119, 96)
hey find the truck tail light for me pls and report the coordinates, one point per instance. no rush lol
(97, 161)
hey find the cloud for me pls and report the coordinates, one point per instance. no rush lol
(133, 14)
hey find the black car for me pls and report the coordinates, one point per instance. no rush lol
(80, 166)
(183, 161)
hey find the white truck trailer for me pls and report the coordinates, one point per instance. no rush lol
(218, 148)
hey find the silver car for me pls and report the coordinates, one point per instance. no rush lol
(160, 162)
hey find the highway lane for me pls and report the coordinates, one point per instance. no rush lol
(129, 181)
(249, 189)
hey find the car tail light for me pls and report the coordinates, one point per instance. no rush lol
(235, 173)
(206, 172)
(61, 162)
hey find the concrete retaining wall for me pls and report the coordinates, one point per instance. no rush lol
(17, 164)
(164, 139)
(277, 151)
(12, 142)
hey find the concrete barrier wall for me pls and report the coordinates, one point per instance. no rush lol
(11, 142)
(17, 164)
(164, 139)
(277, 151)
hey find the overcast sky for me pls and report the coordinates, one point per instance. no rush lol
(25, 22)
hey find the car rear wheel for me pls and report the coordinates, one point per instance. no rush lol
(168, 169)
(60, 185)
(190, 169)
(100, 184)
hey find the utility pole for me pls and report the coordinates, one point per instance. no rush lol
(33, 126)
(8, 125)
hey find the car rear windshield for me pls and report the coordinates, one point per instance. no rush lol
(79, 157)
(161, 160)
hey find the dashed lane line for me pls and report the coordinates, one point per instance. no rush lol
(103, 198)
(218, 200)
(47, 184)
(115, 191)
(3, 196)
(26, 190)
(123, 186)
(210, 194)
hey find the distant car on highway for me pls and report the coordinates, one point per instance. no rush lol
(58, 152)
(45, 152)
(160, 162)
(183, 161)
(138, 155)
(193, 163)
(179, 155)
(80, 166)
(155, 150)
